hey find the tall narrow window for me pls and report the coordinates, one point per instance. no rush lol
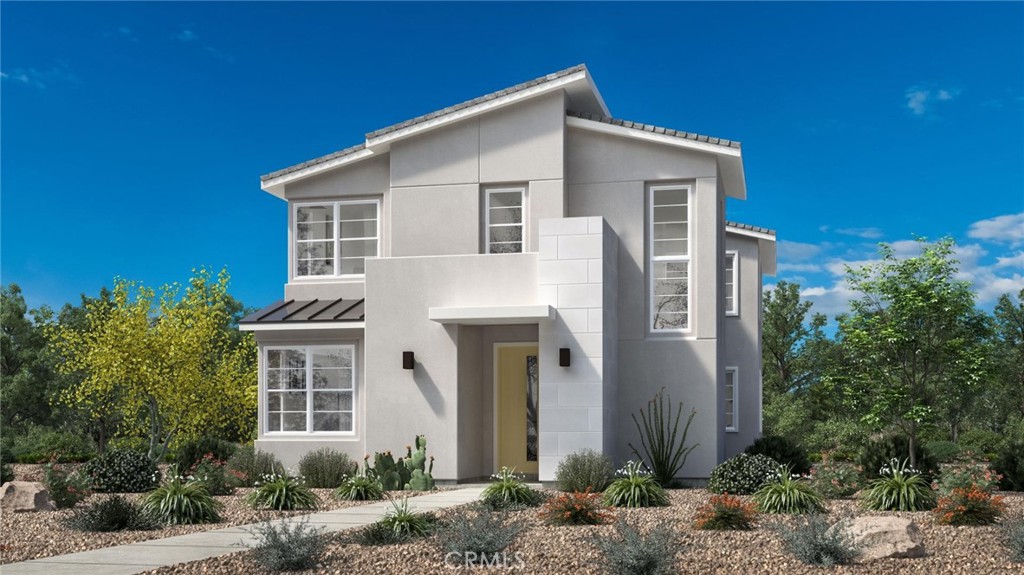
(504, 213)
(730, 399)
(669, 232)
(732, 302)
(310, 389)
(336, 238)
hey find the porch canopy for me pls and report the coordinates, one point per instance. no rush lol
(307, 314)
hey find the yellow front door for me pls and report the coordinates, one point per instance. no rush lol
(518, 396)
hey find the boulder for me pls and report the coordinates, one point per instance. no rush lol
(880, 537)
(20, 496)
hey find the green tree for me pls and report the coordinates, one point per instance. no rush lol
(1009, 353)
(914, 340)
(25, 369)
(170, 367)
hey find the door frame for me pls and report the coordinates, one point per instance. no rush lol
(494, 395)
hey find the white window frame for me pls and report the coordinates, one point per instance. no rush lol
(265, 391)
(336, 206)
(487, 217)
(735, 371)
(652, 259)
(735, 311)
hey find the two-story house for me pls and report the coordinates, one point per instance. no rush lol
(514, 277)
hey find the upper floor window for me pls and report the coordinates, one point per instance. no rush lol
(669, 249)
(503, 211)
(732, 302)
(310, 389)
(336, 238)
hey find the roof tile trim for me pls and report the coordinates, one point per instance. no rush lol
(424, 118)
(655, 129)
(758, 229)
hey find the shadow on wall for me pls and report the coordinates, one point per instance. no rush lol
(425, 383)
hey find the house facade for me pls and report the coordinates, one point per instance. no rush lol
(513, 277)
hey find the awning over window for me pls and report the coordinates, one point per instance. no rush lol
(313, 314)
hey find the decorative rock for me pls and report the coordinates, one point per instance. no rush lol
(884, 537)
(21, 496)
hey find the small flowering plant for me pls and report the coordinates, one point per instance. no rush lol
(281, 492)
(575, 508)
(788, 493)
(635, 487)
(968, 506)
(900, 487)
(726, 512)
(213, 473)
(66, 489)
(966, 476)
(836, 479)
(508, 490)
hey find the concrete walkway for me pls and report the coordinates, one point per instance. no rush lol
(146, 555)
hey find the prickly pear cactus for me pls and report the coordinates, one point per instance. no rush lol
(418, 459)
(420, 481)
(387, 471)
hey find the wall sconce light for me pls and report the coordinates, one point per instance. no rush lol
(408, 360)
(563, 357)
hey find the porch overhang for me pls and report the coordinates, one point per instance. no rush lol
(491, 315)
(307, 314)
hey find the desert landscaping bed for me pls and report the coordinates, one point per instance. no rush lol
(569, 550)
(43, 534)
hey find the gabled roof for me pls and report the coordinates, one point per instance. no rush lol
(576, 81)
(738, 227)
(654, 129)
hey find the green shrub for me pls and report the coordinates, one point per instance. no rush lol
(968, 506)
(288, 545)
(575, 508)
(630, 552)
(635, 488)
(325, 468)
(966, 476)
(360, 487)
(113, 513)
(6, 473)
(900, 488)
(407, 523)
(213, 473)
(725, 513)
(833, 479)
(247, 465)
(508, 491)
(378, 534)
(583, 469)
(788, 494)
(815, 542)
(42, 444)
(1010, 463)
(879, 452)
(475, 536)
(782, 450)
(980, 441)
(193, 451)
(664, 448)
(66, 489)
(118, 471)
(281, 493)
(743, 474)
(180, 502)
(1012, 536)
(943, 451)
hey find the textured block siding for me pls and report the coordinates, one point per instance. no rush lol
(572, 274)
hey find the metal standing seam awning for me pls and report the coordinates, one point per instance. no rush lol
(307, 314)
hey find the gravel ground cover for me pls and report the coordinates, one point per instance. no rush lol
(37, 535)
(570, 551)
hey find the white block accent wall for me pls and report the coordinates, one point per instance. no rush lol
(576, 270)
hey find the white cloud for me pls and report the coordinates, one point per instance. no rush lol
(1014, 261)
(1006, 229)
(921, 100)
(187, 36)
(125, 31)
(806, 268)
(866, 233)
(830, 300)
(797, 251)
(40, 79)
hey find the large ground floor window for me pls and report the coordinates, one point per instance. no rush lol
(310, 389)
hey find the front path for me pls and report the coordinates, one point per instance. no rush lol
(154, 553)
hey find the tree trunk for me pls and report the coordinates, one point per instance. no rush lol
(913, 444)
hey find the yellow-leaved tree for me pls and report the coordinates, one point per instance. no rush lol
(174, 368)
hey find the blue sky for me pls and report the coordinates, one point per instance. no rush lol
(133, 134)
